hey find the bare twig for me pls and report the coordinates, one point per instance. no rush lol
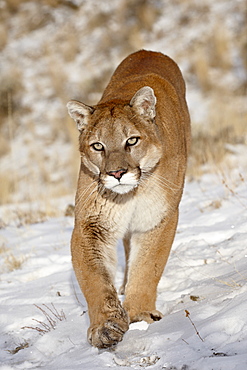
(21, 346)
(197, 332)
(44, 327)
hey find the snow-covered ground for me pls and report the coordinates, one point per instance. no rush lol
(203, 294)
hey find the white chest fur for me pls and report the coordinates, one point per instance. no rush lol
(149, 209)
(141, 213)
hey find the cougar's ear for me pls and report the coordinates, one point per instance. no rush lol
(79, 112)
(144, 102)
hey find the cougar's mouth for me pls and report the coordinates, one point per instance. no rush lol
(122, 185)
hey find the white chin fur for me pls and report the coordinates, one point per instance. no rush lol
(122, 189)
(127, 183)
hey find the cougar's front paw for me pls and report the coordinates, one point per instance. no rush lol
(109, 333)
(148, 316)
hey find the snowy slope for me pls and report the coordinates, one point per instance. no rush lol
(202, 293)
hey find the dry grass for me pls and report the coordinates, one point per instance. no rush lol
(212, 141)
(11, 90)
(13, 5)
(24, 218)
(36, 213)
(52, 317)
(3, 37)
(18, 347)
(67, 50)
(7, 188)
(201, 69)
(3, 248)
(14, 262)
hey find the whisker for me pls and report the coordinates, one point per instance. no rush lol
(166, 185)
(80, 203)
(83, 204)
(84, 191)
(165, 179)
(162, 178)
(160, 181)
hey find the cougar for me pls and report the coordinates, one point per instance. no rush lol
(133, 145)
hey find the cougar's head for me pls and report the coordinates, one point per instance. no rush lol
(119, 143)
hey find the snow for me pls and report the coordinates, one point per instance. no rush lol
(202, 293)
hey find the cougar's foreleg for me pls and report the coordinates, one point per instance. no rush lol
(148, 256)
(93, 258)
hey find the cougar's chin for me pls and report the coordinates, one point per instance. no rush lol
(124, 185)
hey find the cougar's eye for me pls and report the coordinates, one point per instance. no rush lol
(98, 147)
(132, 141)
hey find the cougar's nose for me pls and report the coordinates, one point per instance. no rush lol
(117, 174)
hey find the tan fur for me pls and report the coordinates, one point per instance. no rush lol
(133, 146)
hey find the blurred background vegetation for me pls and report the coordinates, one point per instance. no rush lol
(55, 50)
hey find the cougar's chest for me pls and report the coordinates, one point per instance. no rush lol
(148, 211)
(141, 213)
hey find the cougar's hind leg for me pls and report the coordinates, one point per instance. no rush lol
(126, 243)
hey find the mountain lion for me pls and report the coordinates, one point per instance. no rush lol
(133, 146)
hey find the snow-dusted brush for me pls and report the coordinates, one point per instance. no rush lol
(52, 317)
(134, 145)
